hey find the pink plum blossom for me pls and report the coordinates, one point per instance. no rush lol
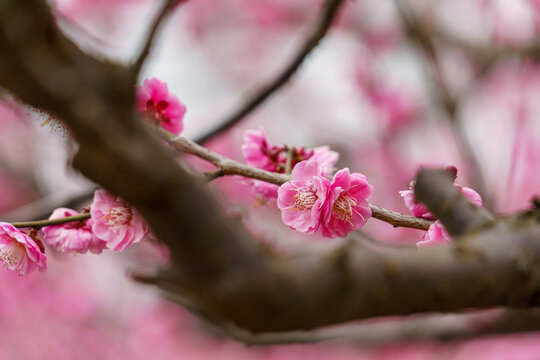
(301, 200)
(19, 252)
(257, 150)
(346, 208)
(74, 236)
(436, 235)
(155, 100)
(259, 153)
(326, 159)
(115, 222)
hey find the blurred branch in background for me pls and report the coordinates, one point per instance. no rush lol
(446, 101)
(327, 14)
(166, 8)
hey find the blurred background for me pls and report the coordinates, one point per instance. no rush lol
(375, 90)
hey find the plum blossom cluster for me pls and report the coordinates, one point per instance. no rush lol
(113, 225)
(436, 234)
(160, 106)
(259, 153)
(310, 202)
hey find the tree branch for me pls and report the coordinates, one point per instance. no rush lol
(217, 262)
(436, 189)
(416, 328)
(37, 224)
(228, 166)
(165, 9)
(328, 12)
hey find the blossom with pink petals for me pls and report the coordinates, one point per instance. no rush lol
(471, 195)
(436, 235)
(115, 222)
(19, 252)
(326, 159)
(155, 100)
(257, 150)
(259, 153)
(417, 209)
(346, 208)
(76, 236)
(301, 200)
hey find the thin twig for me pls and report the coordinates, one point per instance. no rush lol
(41, 223)
(327, 14)
(213, 175)
(231, 167)
(151, 35)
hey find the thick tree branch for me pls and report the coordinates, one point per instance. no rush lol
(436, 189)
(216, 262)
(432, 327)
(328, 12)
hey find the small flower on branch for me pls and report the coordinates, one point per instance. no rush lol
(115, 222)
(436, 234)
(310, 201)
(259, 153)
(301, 200)
(160, 106)
(19, 252)
(346, 208)
(74, 236)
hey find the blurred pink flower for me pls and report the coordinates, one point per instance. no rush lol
(258, 152)
(265, 191)
(19, 252)
(115, 222)
(155, 100)
(471, 195)
(301, 200)
(417, 209)
(420, 210)
(73, 236)
(346, 208)
(436, 235)
(398, 108)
